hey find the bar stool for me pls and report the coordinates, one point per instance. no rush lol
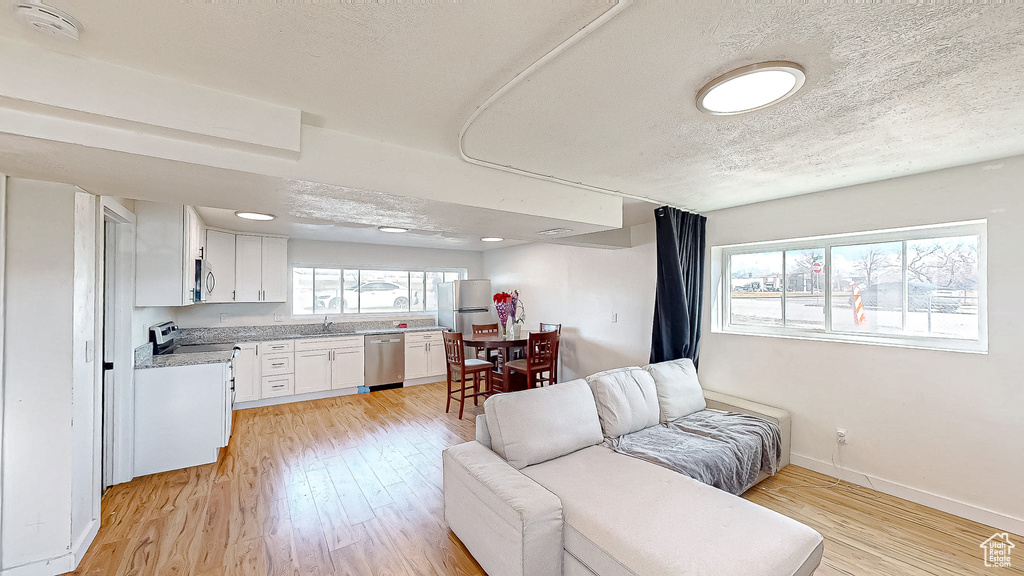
(485, 329)
(459, 367)
(556, 328)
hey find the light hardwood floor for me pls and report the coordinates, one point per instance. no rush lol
(352, 486)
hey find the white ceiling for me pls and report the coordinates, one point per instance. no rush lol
(404, 72)
(891, 90)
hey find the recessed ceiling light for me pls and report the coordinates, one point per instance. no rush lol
(255, 216)
(492, 239)
(554, 231)
(392, 229)
(750, 88)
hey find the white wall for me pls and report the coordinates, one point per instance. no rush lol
(943, 428)
(49, 489)
(338, 254)
(581, 288)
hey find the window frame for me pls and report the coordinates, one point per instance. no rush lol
(463, 273)
(722, 293)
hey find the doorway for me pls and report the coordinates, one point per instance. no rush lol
(116, 301)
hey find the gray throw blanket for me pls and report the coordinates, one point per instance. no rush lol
(726, 450)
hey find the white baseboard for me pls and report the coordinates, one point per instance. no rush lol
(47, 567)
(59, 564)
(427, 380)
(969, 511)
(82, 546)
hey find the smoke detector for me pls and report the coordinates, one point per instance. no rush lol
(47, 19)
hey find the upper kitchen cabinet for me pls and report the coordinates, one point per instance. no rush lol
(169, 240)
(261, 269)
(220, 254)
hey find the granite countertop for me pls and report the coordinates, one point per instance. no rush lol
(144, 357)
(174, 360)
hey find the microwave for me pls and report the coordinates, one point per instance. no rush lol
(205, 281)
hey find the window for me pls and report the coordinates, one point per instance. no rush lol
(920, 287)
(323, 291)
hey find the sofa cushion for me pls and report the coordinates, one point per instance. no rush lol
(627, 400)
(679, 392)
(624, 516)
(539, 424)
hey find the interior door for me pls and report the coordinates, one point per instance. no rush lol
(346, 368)
(274, 269)
(248, 268)
(220, 252)
(312, 371)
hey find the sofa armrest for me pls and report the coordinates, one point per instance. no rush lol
(719, 401)
(511, 524)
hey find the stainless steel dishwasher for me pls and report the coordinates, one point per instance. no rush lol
(384, 361)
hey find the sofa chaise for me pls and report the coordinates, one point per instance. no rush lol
(540, 492)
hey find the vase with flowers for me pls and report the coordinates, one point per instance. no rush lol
(504, 305)
(518, 315)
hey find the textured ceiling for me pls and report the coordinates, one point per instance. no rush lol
(891, 90)
(306, 210)
(404, 72)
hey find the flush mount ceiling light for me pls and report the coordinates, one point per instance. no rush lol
(47, 19)
(554, 231)
(750, 88)
(392, 229)
(255, 216)
(492, 239)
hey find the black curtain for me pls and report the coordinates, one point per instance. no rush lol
(678, 304)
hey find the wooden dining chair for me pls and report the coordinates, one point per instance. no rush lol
(539, 364)
(459, 367)
(556, 328)
(485, 329)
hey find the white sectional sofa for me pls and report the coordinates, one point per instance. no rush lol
(539, 494)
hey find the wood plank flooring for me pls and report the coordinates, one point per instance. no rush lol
(352, 486)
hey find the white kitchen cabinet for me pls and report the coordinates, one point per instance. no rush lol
(277, 364)
(415, 358)
(276, 386)
(248, 268)
(182, 416)
(220, 254)
(437, 362)
(261, 269)
(424, 355)
(247, 373)
(347, 367)
(169, 239)
(312, 371)
(274, 272)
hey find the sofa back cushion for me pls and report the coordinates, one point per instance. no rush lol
(627, 400)
(679, 392)
(539, 424)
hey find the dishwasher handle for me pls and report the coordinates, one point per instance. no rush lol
(386, 341)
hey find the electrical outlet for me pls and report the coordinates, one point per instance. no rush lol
(615, 317)
(223, 317)
(840, 435)
(278, 317)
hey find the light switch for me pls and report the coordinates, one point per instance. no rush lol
(89, 350)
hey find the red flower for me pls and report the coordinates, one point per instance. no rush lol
(502, 298)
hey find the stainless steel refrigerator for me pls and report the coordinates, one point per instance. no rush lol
(462, 303)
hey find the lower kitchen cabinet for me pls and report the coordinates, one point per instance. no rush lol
(424, 355)
(247, 373)
(312, 371)
(346, 367)
(281, 385)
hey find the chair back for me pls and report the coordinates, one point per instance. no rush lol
(485, 328)
(551, 328)
(454, 350)
(541, 349)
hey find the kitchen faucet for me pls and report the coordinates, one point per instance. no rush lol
(327, 325)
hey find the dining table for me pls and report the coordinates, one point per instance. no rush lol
(501, 378)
